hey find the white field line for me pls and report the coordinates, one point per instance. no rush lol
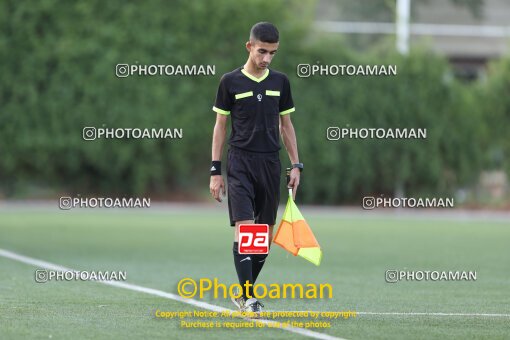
(489, 315)
(436, 314)
(204, 305)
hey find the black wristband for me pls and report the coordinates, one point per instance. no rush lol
(215, 168)
(300, 166)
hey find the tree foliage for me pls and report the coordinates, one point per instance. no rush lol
(58, 76)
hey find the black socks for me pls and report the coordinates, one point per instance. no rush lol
(248, 267)
(243, 269)
(257, 264)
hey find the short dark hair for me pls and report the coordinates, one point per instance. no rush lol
(265, 32)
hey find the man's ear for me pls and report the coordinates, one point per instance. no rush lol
(248, 46)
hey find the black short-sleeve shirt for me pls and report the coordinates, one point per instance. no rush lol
(255, 105)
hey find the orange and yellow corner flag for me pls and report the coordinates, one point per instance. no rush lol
(295, 235)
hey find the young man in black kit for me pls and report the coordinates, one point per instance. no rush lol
(259, 101)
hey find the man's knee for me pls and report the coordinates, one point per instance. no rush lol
(238, 223)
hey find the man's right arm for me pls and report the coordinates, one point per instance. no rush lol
(217, 185)
(219, 135)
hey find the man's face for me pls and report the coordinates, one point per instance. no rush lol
(261, 53)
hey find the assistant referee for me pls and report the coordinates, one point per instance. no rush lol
(259, 101)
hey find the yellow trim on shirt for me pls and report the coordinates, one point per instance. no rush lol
(288, 111)
(272, 93)
(244, 94)
(258, 80)
(220, 111)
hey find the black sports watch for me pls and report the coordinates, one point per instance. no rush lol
(300, 166)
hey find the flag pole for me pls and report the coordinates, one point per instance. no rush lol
(288, 170)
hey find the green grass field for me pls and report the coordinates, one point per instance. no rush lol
(157, 248)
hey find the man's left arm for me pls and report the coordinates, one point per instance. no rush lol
(289, 140)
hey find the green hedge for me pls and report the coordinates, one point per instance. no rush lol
(422, 95)
(493, 93)
(58, 61)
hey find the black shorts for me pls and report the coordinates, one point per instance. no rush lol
(253, 186)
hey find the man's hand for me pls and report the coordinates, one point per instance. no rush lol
(294, 181)
(217, 187)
